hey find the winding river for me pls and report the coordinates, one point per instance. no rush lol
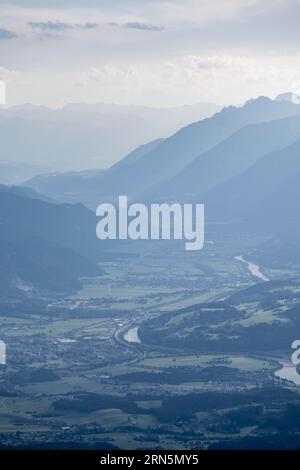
(253, 268)
(131, 335)
(288, 372)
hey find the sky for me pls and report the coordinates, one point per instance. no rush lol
(158, 53)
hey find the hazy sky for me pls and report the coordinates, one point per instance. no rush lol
(152, 52)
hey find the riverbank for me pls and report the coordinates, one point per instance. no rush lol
(131, 335)
(253, 268)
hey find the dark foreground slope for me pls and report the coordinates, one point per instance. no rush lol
(44, 247)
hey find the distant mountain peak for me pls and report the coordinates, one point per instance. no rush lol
(289, 97)
(258, 100)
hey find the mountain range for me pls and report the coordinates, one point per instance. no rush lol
(84, 186)
(44, 247)
(245, 193)
(82, 136)
(243, 163)
(191, 161)
(230, 158)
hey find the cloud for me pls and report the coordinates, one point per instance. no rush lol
(6, 34)
(87, 25)
(137, 25)
(142, 26)
(213, 50)
(59, 26)
(268, 25)
(198, 62)
(54, 26)
(8, 75)
(189, 79)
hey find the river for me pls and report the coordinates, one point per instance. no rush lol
(131, 335)
(253, 268)
(288, 372)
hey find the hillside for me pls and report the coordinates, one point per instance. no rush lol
(44, 247)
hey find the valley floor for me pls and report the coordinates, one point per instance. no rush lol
(79, 375)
